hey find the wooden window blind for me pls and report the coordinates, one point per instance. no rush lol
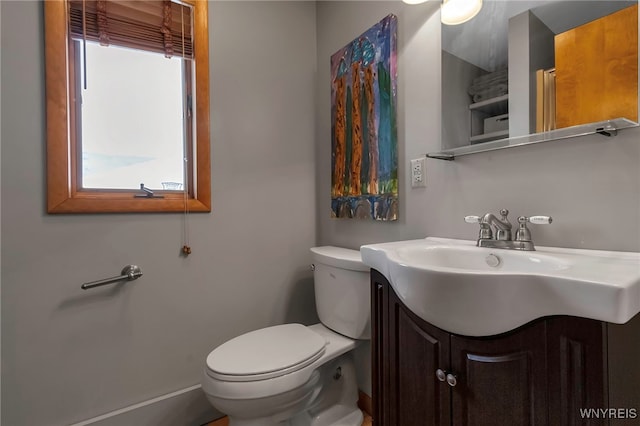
(162, 26)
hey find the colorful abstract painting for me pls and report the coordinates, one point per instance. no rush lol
(364, 141)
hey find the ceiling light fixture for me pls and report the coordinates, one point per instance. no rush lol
(455, 12)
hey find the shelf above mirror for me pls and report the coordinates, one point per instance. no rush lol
(606, 128)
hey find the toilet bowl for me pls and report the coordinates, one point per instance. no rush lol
(296, 375)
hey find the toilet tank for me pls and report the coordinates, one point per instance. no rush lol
(343, 298)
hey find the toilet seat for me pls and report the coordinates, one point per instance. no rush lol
(266, 353)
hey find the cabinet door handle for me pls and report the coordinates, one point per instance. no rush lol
(441, 375)
(452, 380)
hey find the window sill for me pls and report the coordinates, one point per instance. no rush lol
(100, 202)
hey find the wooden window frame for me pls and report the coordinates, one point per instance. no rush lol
(63, 192)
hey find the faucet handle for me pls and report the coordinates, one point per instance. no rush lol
(472, 219)
(523, 233)
(540, 220)
(485, 229)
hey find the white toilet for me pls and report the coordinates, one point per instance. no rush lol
(293, 375)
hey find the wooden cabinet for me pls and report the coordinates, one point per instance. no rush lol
(414, 350)
(576, 356)
(501, 380)
(543, 373)
(597, 70)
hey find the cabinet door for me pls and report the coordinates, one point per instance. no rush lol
(597, 70)
(416, 351)
(500, 380)
(379, 372)
(577, 370)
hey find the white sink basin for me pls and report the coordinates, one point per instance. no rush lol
(469, 258)
(475, 291)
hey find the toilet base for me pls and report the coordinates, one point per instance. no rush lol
(337, 415)
(330, 401)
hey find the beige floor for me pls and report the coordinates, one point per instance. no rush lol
(368, 421)
(224, 422)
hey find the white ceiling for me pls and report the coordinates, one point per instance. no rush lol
(482, 41)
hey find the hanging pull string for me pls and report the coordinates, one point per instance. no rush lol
(186, 249)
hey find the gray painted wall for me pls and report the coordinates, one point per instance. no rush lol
(531, 47)
(460, 123)
(589, 185)
(67, 354)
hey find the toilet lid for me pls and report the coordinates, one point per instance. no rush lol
(266, 353)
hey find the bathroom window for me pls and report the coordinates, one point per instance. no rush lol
(127, 105)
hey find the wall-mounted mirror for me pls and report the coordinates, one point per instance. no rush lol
(521, 68)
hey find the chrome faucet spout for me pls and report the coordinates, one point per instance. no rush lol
(502, 225)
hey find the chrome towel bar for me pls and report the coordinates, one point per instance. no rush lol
(128, 273)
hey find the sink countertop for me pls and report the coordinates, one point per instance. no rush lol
(456, 286)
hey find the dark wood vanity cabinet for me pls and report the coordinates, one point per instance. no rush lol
(500, 380)
(406, 353)
(543, 373)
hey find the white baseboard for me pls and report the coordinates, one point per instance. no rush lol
(185, 407)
